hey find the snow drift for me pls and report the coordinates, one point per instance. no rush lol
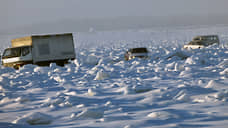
(172, 88)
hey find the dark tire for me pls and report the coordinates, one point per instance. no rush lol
(16, 67)
(60, 64)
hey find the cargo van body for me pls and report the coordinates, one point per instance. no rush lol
(40, 50)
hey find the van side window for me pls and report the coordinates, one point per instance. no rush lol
(25, 51)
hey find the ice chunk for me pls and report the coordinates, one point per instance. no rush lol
(211, 84)
(182, 96)
(222, 95)
(126, 90)
(5, 100)
(86, 114)
(92, 60)
(101, 75)
(91, 92)
(161, 115)
(190, 60)
(76, 63)
(22, 99)
(58, 79)
(36, 118)
(42, 70)
(223, 64)
(225, 72)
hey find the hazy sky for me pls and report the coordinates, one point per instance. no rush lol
(22, 12)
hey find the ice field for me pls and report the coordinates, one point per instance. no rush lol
(173, 88)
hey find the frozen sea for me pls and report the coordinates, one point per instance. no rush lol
(100, 89)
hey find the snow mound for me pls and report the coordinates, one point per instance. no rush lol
(225, 72)
(222, 95)
(101, 75)
(214, 84)
(41, 70)
(92, 92)
(223, 64)
(86, 114)
(36, 118)
(125, 90)
(58, 79)
(182, 96)
(91, 60)
(190, 60)
(162, 115)
(22, 99)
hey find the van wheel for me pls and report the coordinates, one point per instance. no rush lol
(60, 64)
(16, 67)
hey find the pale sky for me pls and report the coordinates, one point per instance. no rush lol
(22, 12)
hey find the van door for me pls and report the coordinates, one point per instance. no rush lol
(11, 56)
(26, 54)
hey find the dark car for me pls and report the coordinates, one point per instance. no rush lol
(136, 52)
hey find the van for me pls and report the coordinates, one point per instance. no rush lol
(40, 50)
(136, 52)
(202, 41)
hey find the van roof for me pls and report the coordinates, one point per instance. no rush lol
(30, 37)
(207, 36)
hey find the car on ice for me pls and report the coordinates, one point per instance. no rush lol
(136, 52)
(202, 41)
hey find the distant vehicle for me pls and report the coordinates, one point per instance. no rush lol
(136, 52)
(40, 50)
(202, 41)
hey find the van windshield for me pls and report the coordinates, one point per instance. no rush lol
(11, 52)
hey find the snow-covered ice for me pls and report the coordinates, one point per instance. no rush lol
(173, 88)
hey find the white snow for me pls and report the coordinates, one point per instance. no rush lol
(174, 87)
